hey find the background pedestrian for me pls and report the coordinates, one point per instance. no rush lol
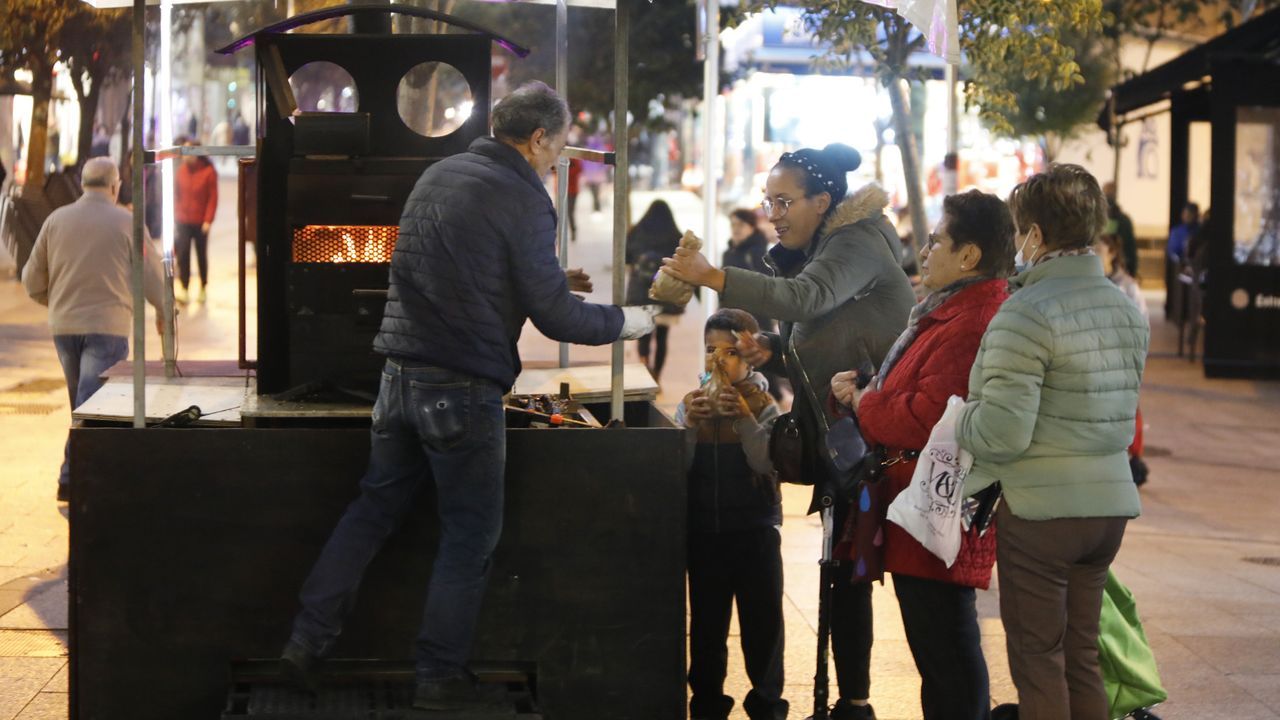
(653, 238)
(196, 188)
(81, 267)
(1124, 229)
(747, 248)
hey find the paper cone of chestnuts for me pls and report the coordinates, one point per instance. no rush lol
(668, 290)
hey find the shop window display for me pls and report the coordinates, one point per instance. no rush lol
(1257, 191)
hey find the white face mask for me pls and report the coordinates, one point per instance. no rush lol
(1020, 261)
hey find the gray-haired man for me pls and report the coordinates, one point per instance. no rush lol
(474, 259)
(80, 267)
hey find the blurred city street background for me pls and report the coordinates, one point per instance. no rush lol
(1203, 560)
(1125, 88)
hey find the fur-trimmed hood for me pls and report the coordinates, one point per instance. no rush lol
(842, 305)
(868, 202)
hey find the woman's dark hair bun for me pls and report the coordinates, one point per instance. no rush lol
(842, 157)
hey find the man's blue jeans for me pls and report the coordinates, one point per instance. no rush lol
(431, 426)
(84, 359)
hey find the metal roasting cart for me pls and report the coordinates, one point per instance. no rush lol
(189, 544)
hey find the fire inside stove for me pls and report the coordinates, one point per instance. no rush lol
(344, 243)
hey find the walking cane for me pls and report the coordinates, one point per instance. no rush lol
(821, 678)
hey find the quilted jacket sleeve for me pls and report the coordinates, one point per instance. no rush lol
(1004, 388)
(543, 293)
(903, 416)
(209, 184)
(847, 266)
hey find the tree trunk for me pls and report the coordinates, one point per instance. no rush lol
(880, 128)
(1116, 128)
(910, 162)
(41, 91)
(88, 115)
(433, 85)
(1152, 40)
(1050, 146)
(126, 150)
(880, 160)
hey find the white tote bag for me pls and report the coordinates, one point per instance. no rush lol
(930, 508)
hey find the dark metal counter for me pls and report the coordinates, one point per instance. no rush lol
(188, 548)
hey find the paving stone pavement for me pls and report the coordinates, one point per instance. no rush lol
(1212, 616)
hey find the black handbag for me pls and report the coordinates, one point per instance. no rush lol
(979, 510)
(839, 444)
(786, 450)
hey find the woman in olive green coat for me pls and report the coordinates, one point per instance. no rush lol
(841, 300)
(1052, 399)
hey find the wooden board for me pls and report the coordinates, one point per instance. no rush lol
(186, 368)
(587, 382)
(166, 396)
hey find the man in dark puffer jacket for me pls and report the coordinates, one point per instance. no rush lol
(474, 259)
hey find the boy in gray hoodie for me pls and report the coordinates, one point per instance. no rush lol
(735, 508)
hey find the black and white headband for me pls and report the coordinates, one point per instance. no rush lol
(811, 166)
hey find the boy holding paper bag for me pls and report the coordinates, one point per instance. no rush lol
(735, 509)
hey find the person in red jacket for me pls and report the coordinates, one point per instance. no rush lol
(575, 182)
(964, 266)
(196, 188)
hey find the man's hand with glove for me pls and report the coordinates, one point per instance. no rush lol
(637, 320)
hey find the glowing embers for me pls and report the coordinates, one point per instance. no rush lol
(344, 243)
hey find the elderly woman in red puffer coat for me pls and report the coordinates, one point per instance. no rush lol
(964, 265)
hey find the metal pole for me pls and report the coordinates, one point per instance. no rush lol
(562, 167)
(826, 597)
(621, 90)
(168, 170)
(951, 166)
(139, 200)
(710, 91)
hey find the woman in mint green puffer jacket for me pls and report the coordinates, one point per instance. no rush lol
(1052, 399)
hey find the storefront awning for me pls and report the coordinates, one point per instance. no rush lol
(1260, 37)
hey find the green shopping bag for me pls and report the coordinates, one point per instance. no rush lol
(1128, 667)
